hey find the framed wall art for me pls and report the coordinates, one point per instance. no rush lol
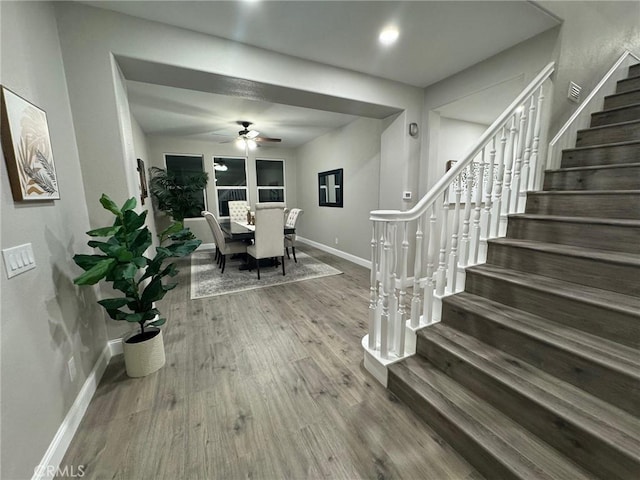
(27, 149)
(330, 189)
(144, 193)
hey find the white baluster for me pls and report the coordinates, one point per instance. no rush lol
(526, 167)
(385, 281)
(477, 238)
(515, 188)
(537, 173)
(498, 203)
(393, 298)
(441, 274)
(465, 242)
(452, 272)
(373, 289)
(417, 272)
(427, 302)
(486, 227)
(506, 192)
(402, 309)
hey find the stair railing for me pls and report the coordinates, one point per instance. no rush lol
(447, 234)
(581, 118)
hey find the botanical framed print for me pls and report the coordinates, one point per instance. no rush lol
(27, 149)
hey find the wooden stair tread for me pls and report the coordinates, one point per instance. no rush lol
(512, 445)
(571, 251)
(575, 406)
(595, 167)
(620, 222)
(614, 355)
(604, 145)
(586, 192)
(618, 94)
(619, 302)
(610, 125)
(617, 109)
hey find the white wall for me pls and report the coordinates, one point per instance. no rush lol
(356, 149)
(45, 318)
(456, 139)
(158, 146)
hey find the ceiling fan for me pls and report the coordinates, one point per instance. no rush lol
(250, 138)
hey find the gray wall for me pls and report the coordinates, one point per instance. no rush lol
(45, 318)
(90, 37)
(524, 60)
(592, 37)
(356, 149)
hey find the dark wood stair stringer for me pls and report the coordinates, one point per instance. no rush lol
(534, 370)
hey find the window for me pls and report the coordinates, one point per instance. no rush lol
(231, 181)
(183, 167)
(270, 180)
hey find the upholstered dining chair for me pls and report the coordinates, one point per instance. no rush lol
(238, 211)
(290, 239)
(269, 234)
(224, 247)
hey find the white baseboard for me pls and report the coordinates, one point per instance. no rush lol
(333, 251)
(115, 347)
(49, 466)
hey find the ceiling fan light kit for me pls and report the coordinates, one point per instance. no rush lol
(251, 138)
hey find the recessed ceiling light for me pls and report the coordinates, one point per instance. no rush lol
(389, 35)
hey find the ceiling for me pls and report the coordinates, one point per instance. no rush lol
(437, 39)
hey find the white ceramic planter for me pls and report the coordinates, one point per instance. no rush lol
(143, 358)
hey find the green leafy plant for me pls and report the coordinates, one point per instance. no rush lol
(178, 196)
(123, 263)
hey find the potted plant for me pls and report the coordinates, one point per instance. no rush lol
(139, 278)
(178, 196)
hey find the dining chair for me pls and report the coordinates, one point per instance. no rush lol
(238, 211)
(269, 233)
(224, 247)
(290, 239)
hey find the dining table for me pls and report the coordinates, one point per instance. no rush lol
(243, 231)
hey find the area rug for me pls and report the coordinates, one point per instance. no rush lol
(207, 281)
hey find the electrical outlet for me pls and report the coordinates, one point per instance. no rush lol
(71, 366)
(336, 240)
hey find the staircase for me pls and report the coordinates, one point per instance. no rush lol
(534, 370)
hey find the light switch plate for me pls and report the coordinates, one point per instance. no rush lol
(18, 259)
(406, 195)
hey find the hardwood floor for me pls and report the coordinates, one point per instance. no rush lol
(264, 384)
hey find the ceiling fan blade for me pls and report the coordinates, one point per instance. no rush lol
(267, 139)
(252, 134)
